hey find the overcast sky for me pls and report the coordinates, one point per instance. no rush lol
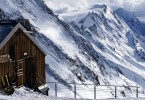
(136, 6)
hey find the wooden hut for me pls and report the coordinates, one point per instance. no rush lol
(21, 57)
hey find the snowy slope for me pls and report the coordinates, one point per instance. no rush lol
(131, 20)
(85, 44)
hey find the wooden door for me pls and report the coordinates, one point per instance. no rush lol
(33, 72)
(20, 73)
(30, 72)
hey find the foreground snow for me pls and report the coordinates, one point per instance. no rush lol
(27, 94)
(24, 93)
(131, 99)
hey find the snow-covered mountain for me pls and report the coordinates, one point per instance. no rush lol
(120, 49)
(95, 46)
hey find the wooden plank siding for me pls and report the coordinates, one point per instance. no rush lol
(23, 44)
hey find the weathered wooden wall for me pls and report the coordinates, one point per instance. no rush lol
(23, 44)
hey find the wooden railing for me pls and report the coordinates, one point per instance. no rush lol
(95, 89)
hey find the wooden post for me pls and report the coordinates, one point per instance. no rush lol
(136, 92)
(115, 92)
(74, 90)
(55, 89)
(94, 91)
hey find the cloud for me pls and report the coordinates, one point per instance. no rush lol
(72, 4)
(69, 5)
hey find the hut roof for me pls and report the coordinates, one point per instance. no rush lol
(5, 30)
(8, 29)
